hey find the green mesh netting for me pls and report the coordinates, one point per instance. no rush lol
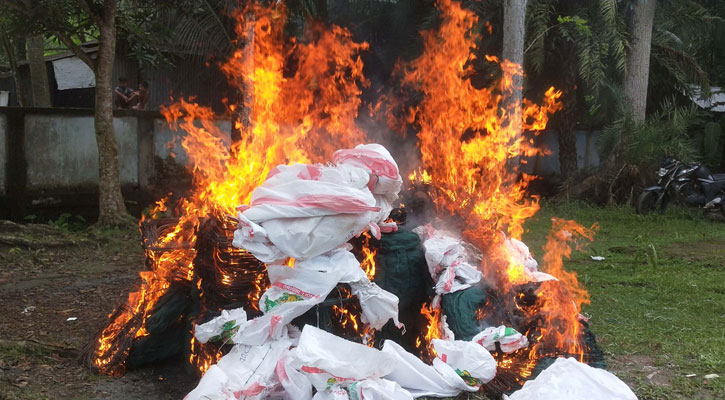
(401, 269)
(460, 310)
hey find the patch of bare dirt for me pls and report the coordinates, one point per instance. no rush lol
(53, 299)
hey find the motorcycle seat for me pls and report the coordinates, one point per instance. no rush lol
(718, 177)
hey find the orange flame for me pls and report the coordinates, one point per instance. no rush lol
(468, 136)
(561, 303)
(346, 318)
(471, 144)
(432, 331)
(301, 116)
(368, 261)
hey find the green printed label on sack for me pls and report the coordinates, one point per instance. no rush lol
(229, 329)
(285, 298)
(466, 376)
(507, 332)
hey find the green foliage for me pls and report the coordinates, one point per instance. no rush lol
(199, 28)
(666, 133)
(69, 222)
(589, 35)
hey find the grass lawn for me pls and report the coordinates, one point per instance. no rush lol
(657, 300)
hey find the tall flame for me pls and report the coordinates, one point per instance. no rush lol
(471, 145)
(301, 115)
(467, 135)
(560, 304)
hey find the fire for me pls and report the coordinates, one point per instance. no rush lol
(420, 177)
(301, 116)
(471, 147)
(561, 303)
(368, 336)
(346, 318)
(301, 99)
(432, 331)
(368, 261)
(468, 137)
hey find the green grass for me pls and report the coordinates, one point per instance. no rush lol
(658, 300)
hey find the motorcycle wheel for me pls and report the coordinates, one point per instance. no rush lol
(647, 203)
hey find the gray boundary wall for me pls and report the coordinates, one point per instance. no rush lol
(50, 154)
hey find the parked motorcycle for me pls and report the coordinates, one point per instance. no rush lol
(691, 184)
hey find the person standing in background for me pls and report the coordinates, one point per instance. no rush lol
(142, 96)
(123, 94)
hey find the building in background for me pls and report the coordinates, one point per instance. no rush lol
(72, 83)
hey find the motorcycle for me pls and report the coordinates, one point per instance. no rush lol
(692, 184)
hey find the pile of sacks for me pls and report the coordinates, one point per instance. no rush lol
(309, 212)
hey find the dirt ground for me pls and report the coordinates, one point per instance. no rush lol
(42, 289)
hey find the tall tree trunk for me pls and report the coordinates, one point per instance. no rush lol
(9, 47)
(112, 210)
(242, 115)
(637, 76)
(38, 72)
(514, 27)
(567, 115)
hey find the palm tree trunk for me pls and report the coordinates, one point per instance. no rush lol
(112, 210)
(636, 78)
(514, 27)
(567, 115)
(242, 115)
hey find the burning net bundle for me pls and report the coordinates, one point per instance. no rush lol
(467, 137)
(320, 107)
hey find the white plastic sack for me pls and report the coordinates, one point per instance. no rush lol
(303, 211)
(292, 292)
(378, 305)
(330, 360)
(368, 389)
(568, 379)
(468, 360)
(377, 161)
(509, 339)
(245, 372)
(339, 261)
(447, 261)
(419, 378)
(295, 384)
(221, 328)
(520, 254)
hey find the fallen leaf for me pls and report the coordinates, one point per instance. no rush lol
(21, 381)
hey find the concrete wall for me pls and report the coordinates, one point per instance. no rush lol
(61, 151)
(49, 159)
(3, 151)
(586, 148)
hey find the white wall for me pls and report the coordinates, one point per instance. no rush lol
(61, 151)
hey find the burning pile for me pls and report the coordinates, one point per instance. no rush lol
(471, 296)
